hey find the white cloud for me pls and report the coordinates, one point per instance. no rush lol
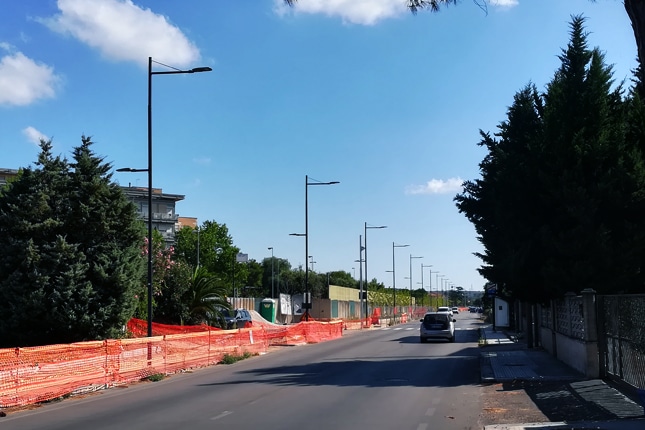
(204, 161)
(364, 12)
(504, 3)
(437, 186)
(33, 135)
(122, 31)
(23, 81)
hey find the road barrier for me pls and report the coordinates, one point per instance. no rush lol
(42, 373)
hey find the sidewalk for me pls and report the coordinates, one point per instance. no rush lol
(561, 393)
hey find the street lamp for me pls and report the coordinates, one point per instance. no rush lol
(272, 275)
(360, 261)
(307, 299)
(367, 279)
(149, 170)
(429, 288)
(444, 290)
(411, 258)
(394, 245)
(197, 228)
(394, 295)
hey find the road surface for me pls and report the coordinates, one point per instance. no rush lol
(381, 378)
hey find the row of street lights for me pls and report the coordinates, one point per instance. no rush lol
(308, 183)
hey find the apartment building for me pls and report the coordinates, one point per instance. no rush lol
(6, 174)
(164, 216)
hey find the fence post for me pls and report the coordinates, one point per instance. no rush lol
(554, 327)
(590, 332)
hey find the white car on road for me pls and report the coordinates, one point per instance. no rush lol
(437, 325)
(445, 309)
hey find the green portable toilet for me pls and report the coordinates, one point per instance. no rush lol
(268, 310)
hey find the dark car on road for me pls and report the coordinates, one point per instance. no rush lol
(238, 318)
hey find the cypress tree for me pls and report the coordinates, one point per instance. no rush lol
(70, 259)
(561, 185)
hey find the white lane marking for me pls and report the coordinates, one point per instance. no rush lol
(222, 415)
(430, 412)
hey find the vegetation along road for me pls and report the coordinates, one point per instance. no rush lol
(382, 378)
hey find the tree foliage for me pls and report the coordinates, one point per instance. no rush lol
(204, 299)
(555, 208)
(217, 254)
(69, 251)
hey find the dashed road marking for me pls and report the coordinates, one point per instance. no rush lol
(222, 415)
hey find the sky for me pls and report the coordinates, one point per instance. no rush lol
(363, 92)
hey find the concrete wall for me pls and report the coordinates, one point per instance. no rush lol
(547, 340)
(572, 352)
(571, 336)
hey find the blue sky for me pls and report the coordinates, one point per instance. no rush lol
(357, 91)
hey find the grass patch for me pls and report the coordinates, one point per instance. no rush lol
(234, 358)
(156, 377)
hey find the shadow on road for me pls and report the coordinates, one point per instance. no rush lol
(577, 401)
(395, 372)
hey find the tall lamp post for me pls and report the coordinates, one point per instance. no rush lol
(429, 288)
(149, 169)
(367, 279)
(360, 261)
(394, 246)
(197, 228)
(307, 299)
(411, 258)
(272, 275)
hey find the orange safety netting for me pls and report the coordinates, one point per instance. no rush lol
(139, 328)
(36, 374)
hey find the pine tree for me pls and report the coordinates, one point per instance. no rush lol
(70, 262)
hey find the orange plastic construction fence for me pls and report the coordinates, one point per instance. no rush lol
(36, 374)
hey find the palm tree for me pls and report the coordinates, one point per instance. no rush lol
(205, 298)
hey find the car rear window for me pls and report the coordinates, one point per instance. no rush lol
(434, 319)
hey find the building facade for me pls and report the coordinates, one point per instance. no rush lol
(164, 216)
(6, 175)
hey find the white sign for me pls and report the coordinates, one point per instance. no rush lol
(242, 258)
(285, 304)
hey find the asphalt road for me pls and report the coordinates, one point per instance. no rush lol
(381, 378)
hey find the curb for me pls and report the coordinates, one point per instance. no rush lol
(486, 369)
(584, 425)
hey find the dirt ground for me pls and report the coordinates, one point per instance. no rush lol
(508, 404)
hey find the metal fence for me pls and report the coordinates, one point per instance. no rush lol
(621, 338)
(620, 322)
